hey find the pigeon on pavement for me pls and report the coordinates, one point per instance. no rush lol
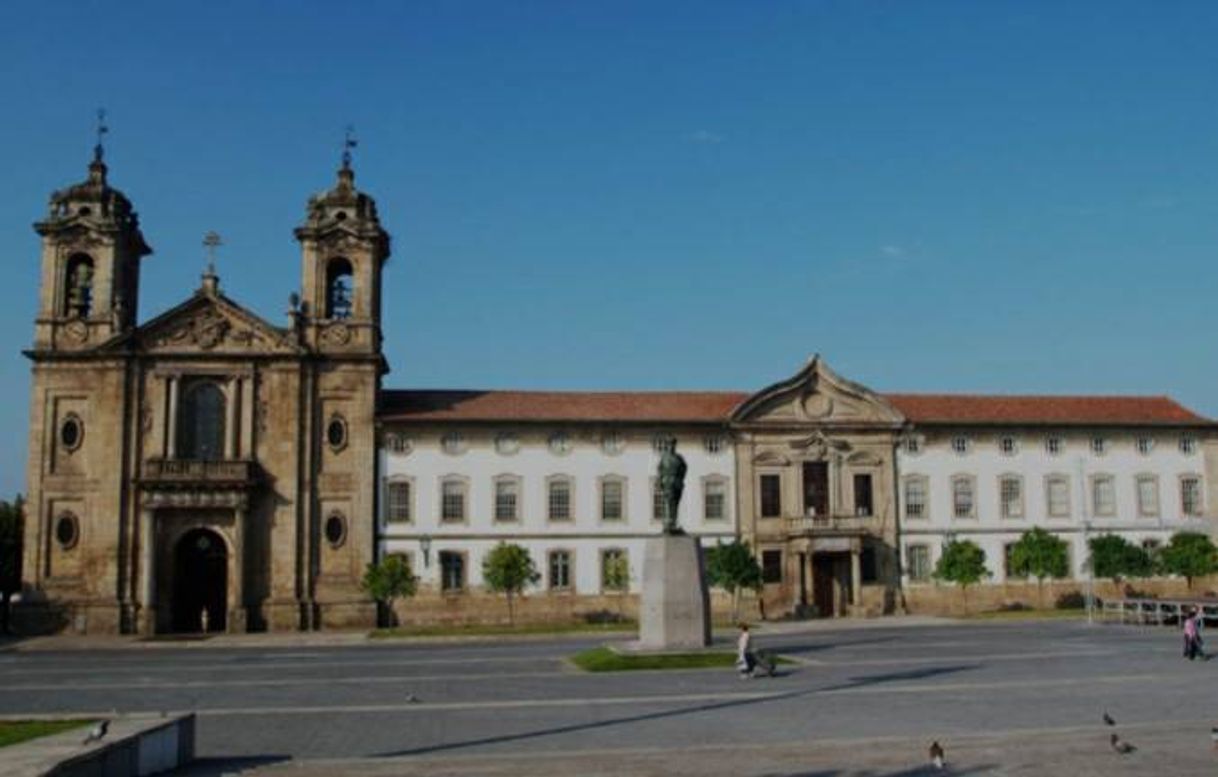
(1108, 719)
(97, 732)
(1121, 746)
(936, 754)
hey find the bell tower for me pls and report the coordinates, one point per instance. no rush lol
(343, 248)
(91, 251)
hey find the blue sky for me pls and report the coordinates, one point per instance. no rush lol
(936, 196)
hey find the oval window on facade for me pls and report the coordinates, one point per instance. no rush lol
(336, 530)
(336, 433)
(67, 531)
(71, 432)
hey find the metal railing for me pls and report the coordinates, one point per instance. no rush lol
(1160, 612)
(813, 523)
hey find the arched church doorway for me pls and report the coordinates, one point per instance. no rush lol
(200, 582)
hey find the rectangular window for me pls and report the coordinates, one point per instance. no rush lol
(915, 497)
(507, 500)
(615, 574)
(1190, 495)
(1010, 491)
(612, 508)
(1057, 491)
(397, 502)
(452, 571)
(816, 488)
(1103, 495)
(560, 570)
(918, 560)
(771, 566)
(1148, 496)
(771, 496)
(559, 499)
(962, 497)
(452, 507)
(714, 500)
(863, 505)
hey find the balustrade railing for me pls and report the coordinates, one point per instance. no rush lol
(172, 470)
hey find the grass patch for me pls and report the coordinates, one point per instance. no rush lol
(14, 731)
(602, 659)
(481, 630)
(1028, 615)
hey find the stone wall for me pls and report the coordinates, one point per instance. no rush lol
(942, 599)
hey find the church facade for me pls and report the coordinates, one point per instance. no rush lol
(207, 470)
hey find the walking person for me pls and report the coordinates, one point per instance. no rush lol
(1198, 638)
(1190, 636)
(744, 653)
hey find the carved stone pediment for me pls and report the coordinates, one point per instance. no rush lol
(817, 395)
(819, 446)
(212, 324)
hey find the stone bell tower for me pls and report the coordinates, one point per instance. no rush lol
(91, 250)
(343, 248)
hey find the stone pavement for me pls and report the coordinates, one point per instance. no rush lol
(1175, 749)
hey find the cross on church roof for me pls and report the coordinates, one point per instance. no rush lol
(211, 241)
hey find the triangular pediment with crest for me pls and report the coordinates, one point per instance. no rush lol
(209, 323)
(817, 396)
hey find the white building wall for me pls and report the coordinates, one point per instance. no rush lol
(426, 464)
(985, 461)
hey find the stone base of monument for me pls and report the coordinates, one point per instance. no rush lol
(674, 612)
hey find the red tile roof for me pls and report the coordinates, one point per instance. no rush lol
(624, 406)
(716, 407)
(1065, 410)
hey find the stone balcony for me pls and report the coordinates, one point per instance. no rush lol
(829, 524)
(179, 473)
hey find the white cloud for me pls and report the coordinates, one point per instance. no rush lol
(892, 251)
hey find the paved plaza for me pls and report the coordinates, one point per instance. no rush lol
(1013, 698)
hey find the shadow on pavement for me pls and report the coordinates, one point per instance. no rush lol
(919, 771)
(855, 682)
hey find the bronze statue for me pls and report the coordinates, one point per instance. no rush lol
(671, 476)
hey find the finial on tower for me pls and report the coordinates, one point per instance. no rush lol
(349, 142)
(211, 241)
(99, 150)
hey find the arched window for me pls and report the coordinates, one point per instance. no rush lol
(78, 286)
(340, 286)
(201, 422)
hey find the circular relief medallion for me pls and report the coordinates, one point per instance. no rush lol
(77, 331)
(336, 530)
(507, 443)
(340, 334)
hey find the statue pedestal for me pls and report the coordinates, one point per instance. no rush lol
(675, 607)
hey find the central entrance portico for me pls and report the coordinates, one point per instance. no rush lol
(200, 582)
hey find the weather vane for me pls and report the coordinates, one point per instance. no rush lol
(211, 241)
(102, 129)
(349, 142)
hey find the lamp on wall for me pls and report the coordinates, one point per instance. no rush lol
(425, 546)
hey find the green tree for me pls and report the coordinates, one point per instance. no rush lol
(962, 562)
(1189, 554)
(388, 581)
(1040, 554)
(734, 568)
(1114, 557)
(11, 515)
(616, 577)
(507, 569)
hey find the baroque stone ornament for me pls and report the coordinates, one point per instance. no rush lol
(76, 331)
(337, 334)
(671, 477)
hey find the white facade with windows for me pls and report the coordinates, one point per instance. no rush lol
(991, 484)
(570, 495)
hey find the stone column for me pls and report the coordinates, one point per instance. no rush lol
(856, 578)
(230, 418)
(147, 625)
(171, 436)
(236, 610)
